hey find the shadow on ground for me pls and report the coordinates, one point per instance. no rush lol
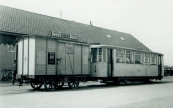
(103, 86)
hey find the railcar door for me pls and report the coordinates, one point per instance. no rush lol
(110, 62)
(159, 66)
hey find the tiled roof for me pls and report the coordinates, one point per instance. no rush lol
(19, 21)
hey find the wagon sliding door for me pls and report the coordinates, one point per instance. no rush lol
(69, 58)
(61, 58)
(72, 59)
(65, 58)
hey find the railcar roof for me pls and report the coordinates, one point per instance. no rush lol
(17, 21)
(110, 46)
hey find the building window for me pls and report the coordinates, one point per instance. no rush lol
(153, 59)
(129, 57)
(120, 56)
(138, 58)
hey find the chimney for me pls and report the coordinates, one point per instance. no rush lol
(91, 23)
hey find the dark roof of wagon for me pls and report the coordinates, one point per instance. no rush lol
(24, 22)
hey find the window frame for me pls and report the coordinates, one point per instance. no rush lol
(98, 55)
(145, 56)
(155, 56)
(92, 56)
(139, 53)
(131, 57)
(122, 55)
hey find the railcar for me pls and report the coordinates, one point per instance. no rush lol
(113, 63)
(53, 62)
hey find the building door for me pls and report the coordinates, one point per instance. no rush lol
(110, 62)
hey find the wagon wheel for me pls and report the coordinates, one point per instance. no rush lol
(36, 85)
(49, 85)
(74, 84)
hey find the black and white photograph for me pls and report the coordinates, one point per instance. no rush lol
(86, 53)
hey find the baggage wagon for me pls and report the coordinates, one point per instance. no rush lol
(51, 62)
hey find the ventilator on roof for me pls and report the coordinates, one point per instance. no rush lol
(108, 36)
(122, 38)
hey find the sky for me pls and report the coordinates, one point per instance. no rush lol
(150, 21)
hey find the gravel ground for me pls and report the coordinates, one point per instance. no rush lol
(160, 102)
(158, 94)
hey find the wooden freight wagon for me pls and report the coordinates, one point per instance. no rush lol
(52, 60)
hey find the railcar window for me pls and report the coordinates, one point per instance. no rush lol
(129, 57)
(146, 58)
(100, 54)
(159, 60)
(153, 59)
(94, 55)
(104, 54)
(138, 58)
(120, 56)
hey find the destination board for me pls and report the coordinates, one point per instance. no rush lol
(63, 36)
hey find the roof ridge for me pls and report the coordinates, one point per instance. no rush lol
(61, 19)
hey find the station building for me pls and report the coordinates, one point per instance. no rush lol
(16, 23)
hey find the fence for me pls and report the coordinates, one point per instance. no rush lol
(168, 72)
